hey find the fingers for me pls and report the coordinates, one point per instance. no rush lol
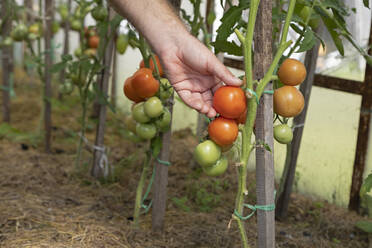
(200, 102)
(221, 72)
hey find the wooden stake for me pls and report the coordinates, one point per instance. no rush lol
(264, 128)
(114, 78)
(7, 60)
(97, 171)
(289, 171)
(48, 75)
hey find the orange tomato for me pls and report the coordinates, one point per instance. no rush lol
(93, 41)
(229, 101)
(288, 101)
(223, 131)
(144, 84)
(152, 67)
(292, 72)
(129, 91)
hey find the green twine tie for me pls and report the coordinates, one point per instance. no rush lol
(254, 208)
(143, 205)
(270, 92)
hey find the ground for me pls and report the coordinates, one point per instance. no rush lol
(46, 202)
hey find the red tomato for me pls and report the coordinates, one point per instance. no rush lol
(129, 91)
(223, 131)
(230, 102)
(288, 101)
(152, 67)
(144, 84)
(93, 41)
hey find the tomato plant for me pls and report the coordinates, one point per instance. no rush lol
(223, 131)
(229, 101)
(207, 153)
(144, 84)
(292, 72)
(288, 101)
(283, 133)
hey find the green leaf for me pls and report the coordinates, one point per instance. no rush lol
(264, 145)
(156, 144)
(366, 3)
(365, 226)
(332, 27)
(228, 47)
(308, 41)
(228, 22)
(103, 99)
(366, 186)
(58, 67)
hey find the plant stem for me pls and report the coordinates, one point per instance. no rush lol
(82, 133)
(137, 206)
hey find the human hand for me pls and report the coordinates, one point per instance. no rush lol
(195, 73)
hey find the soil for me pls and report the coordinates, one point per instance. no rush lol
(46, 202)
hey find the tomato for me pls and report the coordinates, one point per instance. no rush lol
(90, 52)
(229, 101)
(78, 52)
(131, 136)
(288, 101)
(223, 131)
(122, 43)
(283, 134)
(20, 32)
(207, 153)
(144, 84)
(63, 11)
(36, 29)
(93, 41)
(146, 131)
(305, 11)
(76, 25)
(164, 122)
(292, 72)
(129, 91)
(130, 124)
(139, 114)
(152, 67)
(166, 90)
(55, 27)
(78, 79)
(8, 41)
(218, 168)
(89, 31)
(242, 118)
(99, 13)
(153, 107)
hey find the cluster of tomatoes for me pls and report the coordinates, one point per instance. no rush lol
(288, 100)
(230, 104)
(149, 115)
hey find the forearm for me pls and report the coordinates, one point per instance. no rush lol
(153, 19)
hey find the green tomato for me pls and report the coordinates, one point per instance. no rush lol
(32, 36)
(20, 32)
(146, 130)
(207, 153)
(283, 134)
(76, 80)
(218, 168)
(63, 11)
(166, 90)
(76, 25)
(55, 27)
(130, 123)
(8, 41)
(164, 122)
(131, 136)
(139, 114)
(153, 107)
(36, 28)
(66, 88)
(99, 13)
(78, 52)
(122, 43)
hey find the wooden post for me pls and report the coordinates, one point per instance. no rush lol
(363, 133)
(293, 149)
(66, 48)
(161, 175)
(97, 171)
(264, 128)
(7, 60)
(48, 75)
